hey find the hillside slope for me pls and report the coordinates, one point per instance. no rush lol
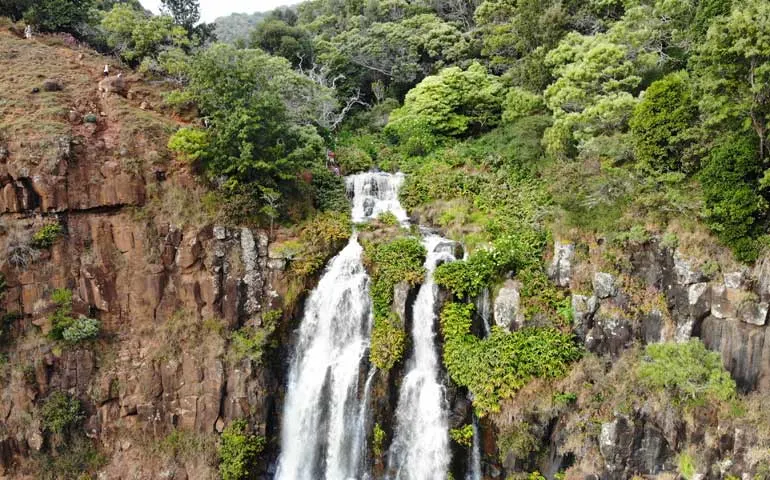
(139, 255)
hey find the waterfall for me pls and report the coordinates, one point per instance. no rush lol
(474, 470)
(374, 193)
(323, 428)
(420, 449)
(484, 307)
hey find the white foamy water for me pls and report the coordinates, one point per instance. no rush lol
(420, 449)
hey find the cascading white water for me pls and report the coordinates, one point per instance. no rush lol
(324, 417)
(374, 193)
(484, 307)
(474, 466)
(318, 427)
(420, 449)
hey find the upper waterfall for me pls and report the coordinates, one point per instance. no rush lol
(374, 193)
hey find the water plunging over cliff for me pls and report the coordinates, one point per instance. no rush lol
(420, 449)
(474, 465)
(324, 417)
(374, 193)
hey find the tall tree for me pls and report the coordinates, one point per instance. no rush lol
(734, 70)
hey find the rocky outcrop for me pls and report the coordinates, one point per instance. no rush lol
(630, 446)
(166, 286)
(560, 270)
(507, 308)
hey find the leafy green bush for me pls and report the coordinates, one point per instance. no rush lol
(59, 15)
(495, 368)
(191, 143)
(250, 342)
(75, 459)
(378, 439)
(238, 451)
(390, 262)
(60, 413)
(463, 435)
(46, 236)
(353, 159)
(67, 328)
(734, 209)
(520, 103)
(329, 191)
(467, 278)
(81, 329)
(454, 102)
(662, 122)
(688, 371)
(319, 239)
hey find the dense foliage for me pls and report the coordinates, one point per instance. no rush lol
(690, 373)
(60, 412)
(390, 262)
(67, 328)
(496, 367)
(238, 450)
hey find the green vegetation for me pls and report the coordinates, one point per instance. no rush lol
(463, 435)
(690, 373)
(64, 326)
(390, 262)
(249, 342)
(61, 413)
(378, 439)
(59, 15)
(494, 368)
(46, 236)
(661, 123)
(77, 459)
(238, 450)
(452, 103)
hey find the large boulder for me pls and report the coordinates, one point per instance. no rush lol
(604, 285)
(507, 306)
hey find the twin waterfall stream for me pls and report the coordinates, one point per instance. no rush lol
(326, 417)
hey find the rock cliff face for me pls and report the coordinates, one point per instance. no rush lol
(165, 288)
(659, 294)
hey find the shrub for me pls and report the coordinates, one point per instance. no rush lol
(250, 342)
(454, 102)
(688, 371)
(81, 329)
(66, 328)
(191, 143)
(495, 368)
(520, 103)
(238, 450)
(734, 209)
(468, 278)
(378, 439)
(330, 193)
(388, 218)
(60, 413)
(389, 263)
(46, 236)
(75, 459)
(353, 159)
(59, 15)
(661, 122)
(463, 435)
(319, 239)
